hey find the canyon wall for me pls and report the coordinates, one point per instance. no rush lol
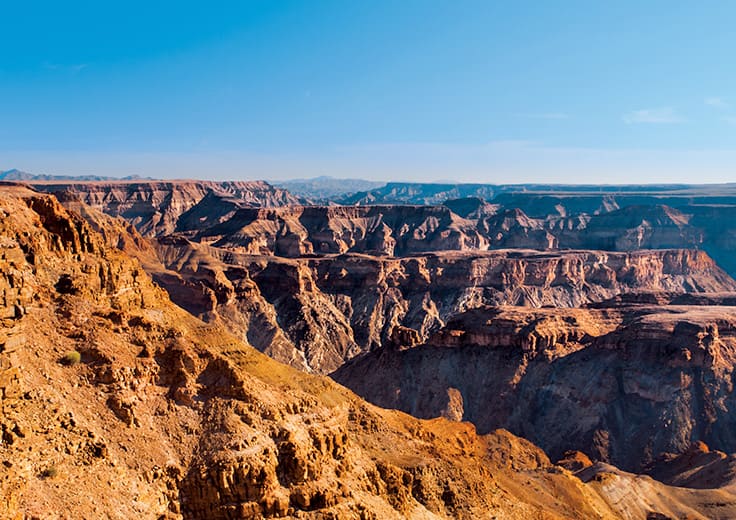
(154, 207)
(621, 383)
(463, 217)
(315, 313)
(113, 401)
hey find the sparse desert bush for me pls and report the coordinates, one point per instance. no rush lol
(71, 358)
(50, 472)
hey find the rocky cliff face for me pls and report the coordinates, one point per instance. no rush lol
(622, 384)
(113, 402)
(619, 218)
(298, 231)
(315, 313)
(380, 222)
(154, 207)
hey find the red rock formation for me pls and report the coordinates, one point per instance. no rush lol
(161, 416)
(315, 313)
(621, 384)
(154, 207)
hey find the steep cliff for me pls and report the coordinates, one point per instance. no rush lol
(613, 218)
(115, 403)
(154, 207)
(315, 313)
(623, 384)
(297, 231)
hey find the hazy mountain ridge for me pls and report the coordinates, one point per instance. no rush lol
(18, 175)
(326, 189)
(435, 193)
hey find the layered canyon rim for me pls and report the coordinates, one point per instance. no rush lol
(323, 284)
(367, 260)
(616, 360)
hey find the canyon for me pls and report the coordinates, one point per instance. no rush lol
(597, 326)
(171, 418)
(314, 286)
(398, 219)
(622, 383)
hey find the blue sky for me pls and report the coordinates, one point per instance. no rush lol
(562, 91)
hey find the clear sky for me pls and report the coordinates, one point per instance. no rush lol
(512, 91)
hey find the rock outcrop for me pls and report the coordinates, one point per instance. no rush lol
(114, 402)
(315, 313)
(154, 207)
(622, 384)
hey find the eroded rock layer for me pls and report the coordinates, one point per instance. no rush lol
(115, 403)
(621, 383)
(463, 217)
(315, 313)
(154, 207)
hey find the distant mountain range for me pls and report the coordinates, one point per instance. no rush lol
(18, 175)
(327, 188)
(438, 193)
(533, 199)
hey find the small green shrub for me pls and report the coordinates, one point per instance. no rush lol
(50, 472)
(71, 358)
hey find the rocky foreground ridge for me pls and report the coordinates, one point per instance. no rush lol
(444, 311)
(114, 402)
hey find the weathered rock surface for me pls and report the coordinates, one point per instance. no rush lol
(299, 231)
(585, 217)
(623, 384)
(315, 313)
(613, 218)
(161, 416)
(154, 207)
(698, 467)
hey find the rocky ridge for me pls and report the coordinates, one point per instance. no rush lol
(154, 207)
(623, 383)
(461, 217)
(171, 418)
(315, 313)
